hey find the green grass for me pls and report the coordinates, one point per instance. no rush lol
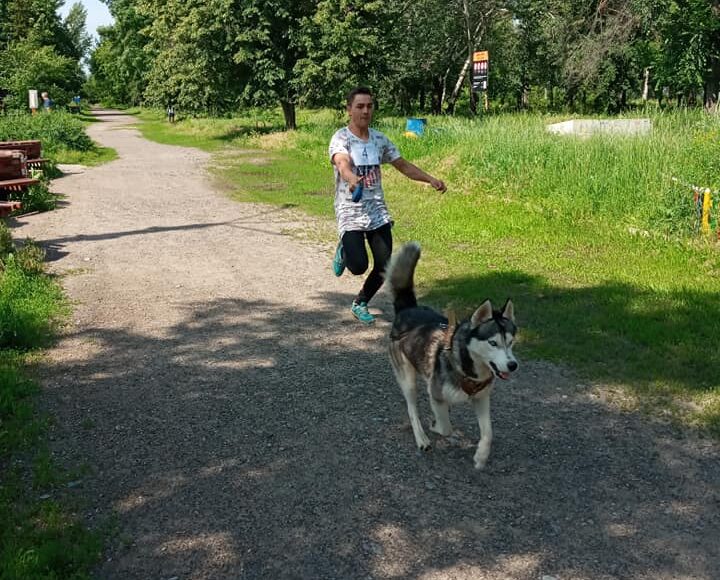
(41, 535)
(30, 306)
(96, 156)
(592, 238)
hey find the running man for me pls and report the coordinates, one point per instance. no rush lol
(357, 152)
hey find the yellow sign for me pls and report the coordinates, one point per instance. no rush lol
(480, 55)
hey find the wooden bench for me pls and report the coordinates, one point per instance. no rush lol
(19, 184)
(13, 179)
(14, 171)
(10, 186)
(7, 207)
(32, 149)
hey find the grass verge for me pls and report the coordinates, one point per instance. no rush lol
(96, 156)
(592, 238)
(41, 536)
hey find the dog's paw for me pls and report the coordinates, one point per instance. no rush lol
(481, 457)
(424, 443)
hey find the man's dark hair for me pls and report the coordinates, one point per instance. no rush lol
(355, 92)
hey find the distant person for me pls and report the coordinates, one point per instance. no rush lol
(48, 103)
(171, 113)
(356, 152)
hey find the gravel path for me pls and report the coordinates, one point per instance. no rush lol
(242, 426)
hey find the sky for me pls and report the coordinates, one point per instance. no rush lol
(97, 14)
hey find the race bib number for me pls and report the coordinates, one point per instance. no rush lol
(364, 154)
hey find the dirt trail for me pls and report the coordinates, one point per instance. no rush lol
(241, 425)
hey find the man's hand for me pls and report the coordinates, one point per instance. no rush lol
(414, 172)
(353, 182)
(438, 184)
(342, 162)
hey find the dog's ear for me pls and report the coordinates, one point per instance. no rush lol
(508, 310)
(482, 314)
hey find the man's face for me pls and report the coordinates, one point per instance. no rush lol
(361, 110)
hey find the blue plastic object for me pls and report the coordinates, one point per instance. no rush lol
(415, 125)
(357, 192)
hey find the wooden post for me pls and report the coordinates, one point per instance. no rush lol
(706, 205)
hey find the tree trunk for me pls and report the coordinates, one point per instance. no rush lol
(458, 85)
(470, 37)
(473, 97)
(289, 114)
(712, 87)
(405, 102)
(443, 94)
(437, 95)
(646, 84)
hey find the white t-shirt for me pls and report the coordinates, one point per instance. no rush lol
(366, 157)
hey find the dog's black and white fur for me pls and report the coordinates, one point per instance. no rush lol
(458, 362)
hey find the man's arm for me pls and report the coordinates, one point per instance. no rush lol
(342, 162)
(415, 173)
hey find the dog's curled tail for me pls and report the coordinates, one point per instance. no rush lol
(399, 276)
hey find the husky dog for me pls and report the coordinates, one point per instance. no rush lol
(459, 362)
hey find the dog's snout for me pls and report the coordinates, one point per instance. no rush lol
(512, 366)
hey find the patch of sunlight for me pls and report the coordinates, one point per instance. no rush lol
(219, 549)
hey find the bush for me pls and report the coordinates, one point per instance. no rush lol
(38, 198)
(27, 65)
(57, 130)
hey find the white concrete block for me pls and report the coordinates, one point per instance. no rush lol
(587, 127)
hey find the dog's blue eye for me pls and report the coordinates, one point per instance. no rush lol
(492, 343)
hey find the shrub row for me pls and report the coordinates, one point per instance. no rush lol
(57, 130)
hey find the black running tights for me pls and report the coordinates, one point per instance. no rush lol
(356, 257)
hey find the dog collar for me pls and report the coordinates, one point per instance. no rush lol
(472, 387)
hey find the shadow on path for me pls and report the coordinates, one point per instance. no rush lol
(55, 247)
(255, 447)
(645, 339)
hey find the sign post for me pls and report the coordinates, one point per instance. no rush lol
(33, 100)
(481, 62)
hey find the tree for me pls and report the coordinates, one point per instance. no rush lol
(191, 43)
(75, 27)
(39, 21)
(25, 66)
(689, 59)
(477, 18)
(346, 43)
(37, 52)
(268, 46)
(430, 52)
(120, 61)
